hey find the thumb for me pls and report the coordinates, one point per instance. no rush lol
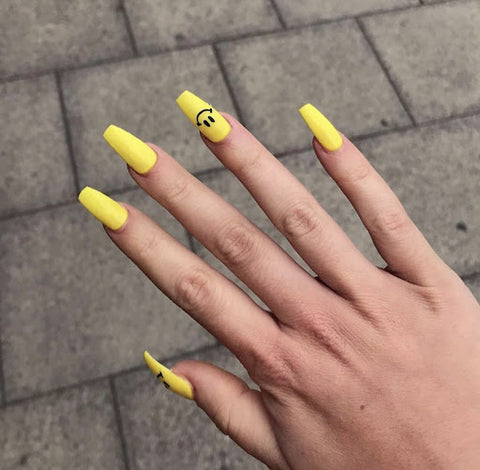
(236, 409)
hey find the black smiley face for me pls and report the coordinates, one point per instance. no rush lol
(207, 119)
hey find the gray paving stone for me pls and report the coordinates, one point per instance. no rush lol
(303, 12)
(473, 283)
(36, 169)
(331, 66)
(139, 95)
(434, 170)
(74, 429)
(52, 34)
(159, 25)
(167, 431)
(433, 55)
(76, 306)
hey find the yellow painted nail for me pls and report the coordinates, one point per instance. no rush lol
(204, 116)
(134, 151)
(105, 209)
(321, 127)
(170, 380)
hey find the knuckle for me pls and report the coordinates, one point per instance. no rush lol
(235, 244)
(247, 166)
(356, 173)
(300, 220)
(146, 245)
(193, 291)
(175, 190)
(391, 222)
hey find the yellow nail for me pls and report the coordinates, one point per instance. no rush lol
(134, 151)
(168, 378)
(105, 209)
(321, 127)
(203, 116)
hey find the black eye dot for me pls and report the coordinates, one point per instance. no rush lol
(211, 119)
(166, 385)
(206, 123)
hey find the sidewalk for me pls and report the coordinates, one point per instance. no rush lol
(400, 77)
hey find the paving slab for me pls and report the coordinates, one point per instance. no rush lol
(473, 283)
(433, 56)
(434, 170)
(304, 12)
(330, 65)
(139, 95)
(72, 429)
(77, 305)
(36, 169)
(164, 430)
(158, 26)
(53, 34)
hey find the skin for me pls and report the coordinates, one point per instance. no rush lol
(359, 368)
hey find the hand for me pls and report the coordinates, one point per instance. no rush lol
(360, 368)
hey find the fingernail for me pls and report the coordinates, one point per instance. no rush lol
(321, 127)
(105, 209)
(134, 151)
(170, 380)
(203, 116)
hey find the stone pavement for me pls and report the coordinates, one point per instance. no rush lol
(401, 77)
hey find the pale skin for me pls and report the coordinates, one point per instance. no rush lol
(361, 367)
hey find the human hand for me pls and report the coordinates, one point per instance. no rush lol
(360, 368)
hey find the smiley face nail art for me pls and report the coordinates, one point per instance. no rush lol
(204, 116)
(169, 379)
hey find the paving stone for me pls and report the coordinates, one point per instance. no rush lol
(303, 12)
(473, 283)
(159, 25)
(54, 34)
(330, 65)
(433, 55)
(36, 169)
(434, 170)
(163, 429)
(77, 305)
(74, 429)
(139, 95)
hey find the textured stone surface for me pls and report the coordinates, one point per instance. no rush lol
(331, 66)
(33, 147)
(423, 168)
(48, 34)
(77, 305)
(308, 11)
(73, 429)
(156, 25)
(433, 55)
(139, 95)
(167, 431)
(473, 283)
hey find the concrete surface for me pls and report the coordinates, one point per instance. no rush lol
(400, 77)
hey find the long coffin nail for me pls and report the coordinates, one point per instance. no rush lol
(321, 127)
(134, 151)
(204, 116)
(170, 380)
(105, 209)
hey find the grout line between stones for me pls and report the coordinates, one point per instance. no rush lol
(277, 11)
(226, 79)
(118, 419)
(383, 66)
(112, 376)
(68, 135)
(3, 391)
(128, 26)
(239, 37)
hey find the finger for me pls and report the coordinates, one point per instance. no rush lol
(236, 410)
(211, 299)
(248, 252)
(294, 211)
(394, 234)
